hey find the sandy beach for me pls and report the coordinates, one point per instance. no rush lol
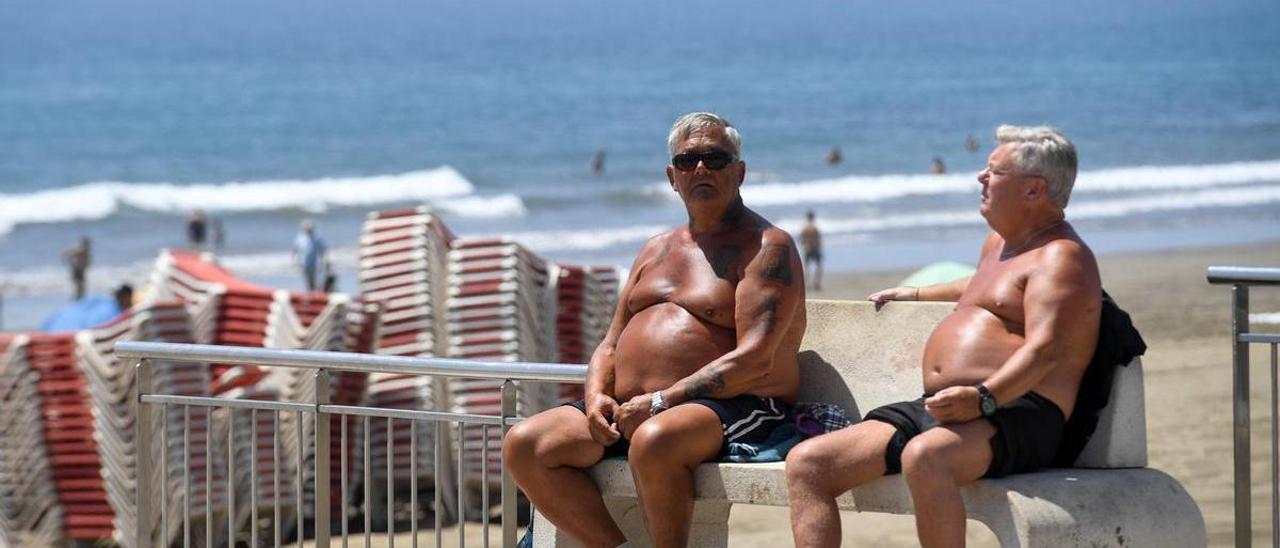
(1186, 324)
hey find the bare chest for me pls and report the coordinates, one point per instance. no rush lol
(702, 283)
(999, 287)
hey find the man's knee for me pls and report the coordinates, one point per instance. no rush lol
(658, 445)
(925, 456)
(519, 446)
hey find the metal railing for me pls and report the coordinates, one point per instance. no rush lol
(1241, 278)
(153, 422)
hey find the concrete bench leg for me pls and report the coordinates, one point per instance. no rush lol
(1135, 507)
(710, 527)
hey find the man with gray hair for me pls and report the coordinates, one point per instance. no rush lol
(701, 353)
(1001, 372)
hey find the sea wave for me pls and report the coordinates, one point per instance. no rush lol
(589, 240)
(442, 187)
(878, 188)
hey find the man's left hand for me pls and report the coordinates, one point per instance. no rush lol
(630, 415)
(954, 404)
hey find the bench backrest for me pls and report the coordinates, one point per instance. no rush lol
(860, 358)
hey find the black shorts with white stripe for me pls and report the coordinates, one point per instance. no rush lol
(743, 419)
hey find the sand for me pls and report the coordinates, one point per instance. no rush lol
(1186, 324)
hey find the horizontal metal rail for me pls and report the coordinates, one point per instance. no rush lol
(1247, 275)
(349, 361)
(169, 427)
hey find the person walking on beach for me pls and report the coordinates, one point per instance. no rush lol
(1001, 372)
(310, 253)
(811, 243)
(78, 258)
(197, 229)
(701, 353)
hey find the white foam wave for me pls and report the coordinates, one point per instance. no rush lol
(588, 240)
(862, 188)
(443, 187)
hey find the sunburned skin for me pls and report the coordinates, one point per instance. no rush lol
(989, 323)
(682, 307)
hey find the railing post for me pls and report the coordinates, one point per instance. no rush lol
(1240, 414)
(322, 499)
(144, 437)
(509, 521)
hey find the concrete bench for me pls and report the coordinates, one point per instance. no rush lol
(859, 358)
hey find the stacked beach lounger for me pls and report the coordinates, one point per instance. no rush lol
(585, 298)
(502, 302)
(112, 389)
(313, 321)
(226, 310)
(29, 511)
(403, 276)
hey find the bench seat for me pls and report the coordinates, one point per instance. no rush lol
(860, 358)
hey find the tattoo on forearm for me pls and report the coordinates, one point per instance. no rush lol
(723, 259)
(704, 384)
(777, 264)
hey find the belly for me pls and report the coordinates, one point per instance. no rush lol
(966, 348)
(663, 344)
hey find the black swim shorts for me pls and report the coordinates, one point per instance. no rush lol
(1028, 431)
(743, 419)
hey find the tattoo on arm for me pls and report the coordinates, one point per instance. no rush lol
(777, 264)
(769, 311)
(704, 385)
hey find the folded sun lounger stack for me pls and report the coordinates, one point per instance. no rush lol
(224, 309)
(312, 321)
(502, 301)
(586, 299)
(112, 390)
(403, 272)
(29, 511)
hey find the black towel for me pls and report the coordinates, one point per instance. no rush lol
(1118, 344)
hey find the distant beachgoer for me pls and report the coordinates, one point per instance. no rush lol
(938, 167)
(330, 279)
(597, 163)
(124, 297)
(811, 243)
(971, 144)
(834, 157)
(219, 233)
(78, 258)
(309, 253)
(196, 229)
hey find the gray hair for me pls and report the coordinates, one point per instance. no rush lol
(1043, 151)
(696, 121)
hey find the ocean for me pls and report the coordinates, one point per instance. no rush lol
(119, 118)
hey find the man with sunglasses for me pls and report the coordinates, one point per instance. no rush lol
(1001, 372)
(701, 353)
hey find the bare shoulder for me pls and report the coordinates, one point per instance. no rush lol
(1069, 261)
(772, 236)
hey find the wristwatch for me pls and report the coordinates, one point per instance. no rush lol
(986, 402)
(656, 405)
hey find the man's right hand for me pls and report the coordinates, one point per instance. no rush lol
(900, 293)
(600, 409)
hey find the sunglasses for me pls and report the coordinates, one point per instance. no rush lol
(713, 159)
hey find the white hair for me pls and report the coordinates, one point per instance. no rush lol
(695, 121)
(1043, 151)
